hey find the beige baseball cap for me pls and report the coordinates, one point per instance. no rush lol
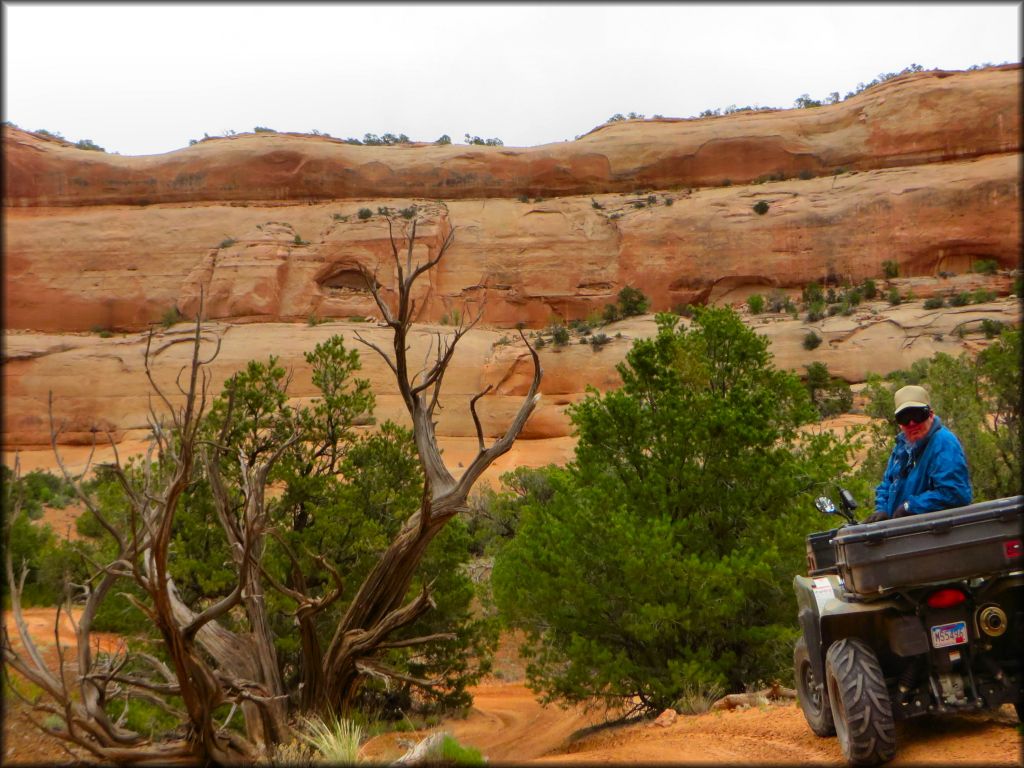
(912, 396)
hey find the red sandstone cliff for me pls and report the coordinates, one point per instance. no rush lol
(267, 227)
(927, 117)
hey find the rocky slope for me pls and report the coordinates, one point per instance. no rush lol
(923, 170)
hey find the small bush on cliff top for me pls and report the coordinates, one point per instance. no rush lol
(89, 144)
(760, 207)
(365, 213)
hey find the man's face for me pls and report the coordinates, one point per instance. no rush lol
(915, 430)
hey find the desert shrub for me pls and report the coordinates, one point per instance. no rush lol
(815, 311)
(90, 145)
(831, 396)
(364, 214)
(454, 753)
(812, 293)
(408, 213)
(985, 266)
(632, 302)
(894, 297)
(761, 207)
(595, 205)
(443, 140)
(1018, 285)
(755, 302)
(890, 269)
(484, 142)
(524, 198)
(934, 302)
(991, 328)
(870, 289)
(598, 340)
(669, 201)
(961, 299)
(610, 313)
(806, 174)
(227, 242)
(811, 340)
(171, 316)
(263, 129)
(559, 335)
(982, 295)
(637, 524)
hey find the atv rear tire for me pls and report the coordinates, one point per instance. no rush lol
(860, 703)
(812, 697)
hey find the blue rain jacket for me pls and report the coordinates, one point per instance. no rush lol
(931, 474)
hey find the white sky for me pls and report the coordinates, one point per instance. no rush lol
(146, 78)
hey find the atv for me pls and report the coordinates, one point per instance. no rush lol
(907, 617)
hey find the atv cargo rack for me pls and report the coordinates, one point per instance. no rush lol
(977, 540)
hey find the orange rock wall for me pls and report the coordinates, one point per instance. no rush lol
(265, 228)
(122, 267)
(926, 117)
(101, 241)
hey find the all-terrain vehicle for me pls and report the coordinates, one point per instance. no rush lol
(906, 617)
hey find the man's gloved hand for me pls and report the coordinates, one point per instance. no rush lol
(875, 517)
(903, 510)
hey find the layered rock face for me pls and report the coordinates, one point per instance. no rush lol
(938, 189)
(926, 117)
(276, 231)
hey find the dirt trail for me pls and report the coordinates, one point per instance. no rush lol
(508, 725)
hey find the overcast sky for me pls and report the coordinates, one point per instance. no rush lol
(146, 78)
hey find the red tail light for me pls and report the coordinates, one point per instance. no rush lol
(946, 598)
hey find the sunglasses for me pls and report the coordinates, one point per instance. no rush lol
(910, 416)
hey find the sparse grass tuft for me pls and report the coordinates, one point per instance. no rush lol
(337, 741)
(697, 700)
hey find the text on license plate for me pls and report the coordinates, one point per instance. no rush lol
(949, 634)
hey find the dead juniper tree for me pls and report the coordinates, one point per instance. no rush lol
(201, 678)
(212, 662)
(379, 607)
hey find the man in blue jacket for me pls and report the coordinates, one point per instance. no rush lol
(927, 470)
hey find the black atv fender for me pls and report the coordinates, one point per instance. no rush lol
(824, 617)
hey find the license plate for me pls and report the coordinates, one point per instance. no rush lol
(945, 635)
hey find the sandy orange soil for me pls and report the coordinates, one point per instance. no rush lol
(508, 725)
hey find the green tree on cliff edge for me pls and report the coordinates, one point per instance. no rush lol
(663, 558)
